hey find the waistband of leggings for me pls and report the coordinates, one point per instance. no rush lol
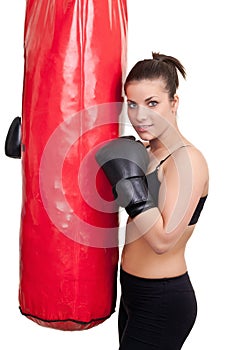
(146, 279)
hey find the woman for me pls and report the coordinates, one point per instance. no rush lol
(158, 305)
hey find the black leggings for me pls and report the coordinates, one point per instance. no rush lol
(155, 314)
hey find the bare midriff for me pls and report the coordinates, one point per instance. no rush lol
(139, 259)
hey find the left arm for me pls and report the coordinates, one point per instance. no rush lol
(185, 177)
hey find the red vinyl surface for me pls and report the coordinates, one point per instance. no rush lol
(75, 57)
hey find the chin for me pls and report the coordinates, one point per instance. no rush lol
(146, 136)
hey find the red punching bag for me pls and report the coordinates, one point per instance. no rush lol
(75, 57)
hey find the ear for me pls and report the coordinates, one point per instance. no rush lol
(175, 103)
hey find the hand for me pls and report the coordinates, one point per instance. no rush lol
(125, 161)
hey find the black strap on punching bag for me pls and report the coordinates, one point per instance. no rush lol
(13, 139)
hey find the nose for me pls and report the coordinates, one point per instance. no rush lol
(137, 115)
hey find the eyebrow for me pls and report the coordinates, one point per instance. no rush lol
(146, 100)
(149, 98)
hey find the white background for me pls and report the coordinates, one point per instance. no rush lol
(199, 33)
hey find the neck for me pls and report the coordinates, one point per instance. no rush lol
(168, 142)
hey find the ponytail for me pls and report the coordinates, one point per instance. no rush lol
(159, 67)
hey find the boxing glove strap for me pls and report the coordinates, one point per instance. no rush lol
(133, 195)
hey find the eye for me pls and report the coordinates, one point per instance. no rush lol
(152, 103)
(132, 105)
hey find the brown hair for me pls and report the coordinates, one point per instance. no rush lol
(160, 66)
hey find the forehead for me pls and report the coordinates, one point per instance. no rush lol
(144, 88)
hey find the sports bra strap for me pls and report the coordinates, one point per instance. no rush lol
(163, 160)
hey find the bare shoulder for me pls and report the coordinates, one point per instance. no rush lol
(195, 154)
(192, 154)
(198, 160)
(189, 162)
(198, 164)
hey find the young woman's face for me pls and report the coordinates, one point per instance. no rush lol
(150, 110)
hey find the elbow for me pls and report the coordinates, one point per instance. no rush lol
(160, 248)
(160, 244)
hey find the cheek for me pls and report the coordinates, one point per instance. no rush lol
(160, 124)
(132, 114)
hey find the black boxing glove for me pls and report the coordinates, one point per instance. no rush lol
(124, 162)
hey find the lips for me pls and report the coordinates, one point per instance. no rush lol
(142, 128)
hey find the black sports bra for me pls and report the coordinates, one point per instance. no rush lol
(154, 185)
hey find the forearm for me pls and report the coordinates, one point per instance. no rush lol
(151, 226)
